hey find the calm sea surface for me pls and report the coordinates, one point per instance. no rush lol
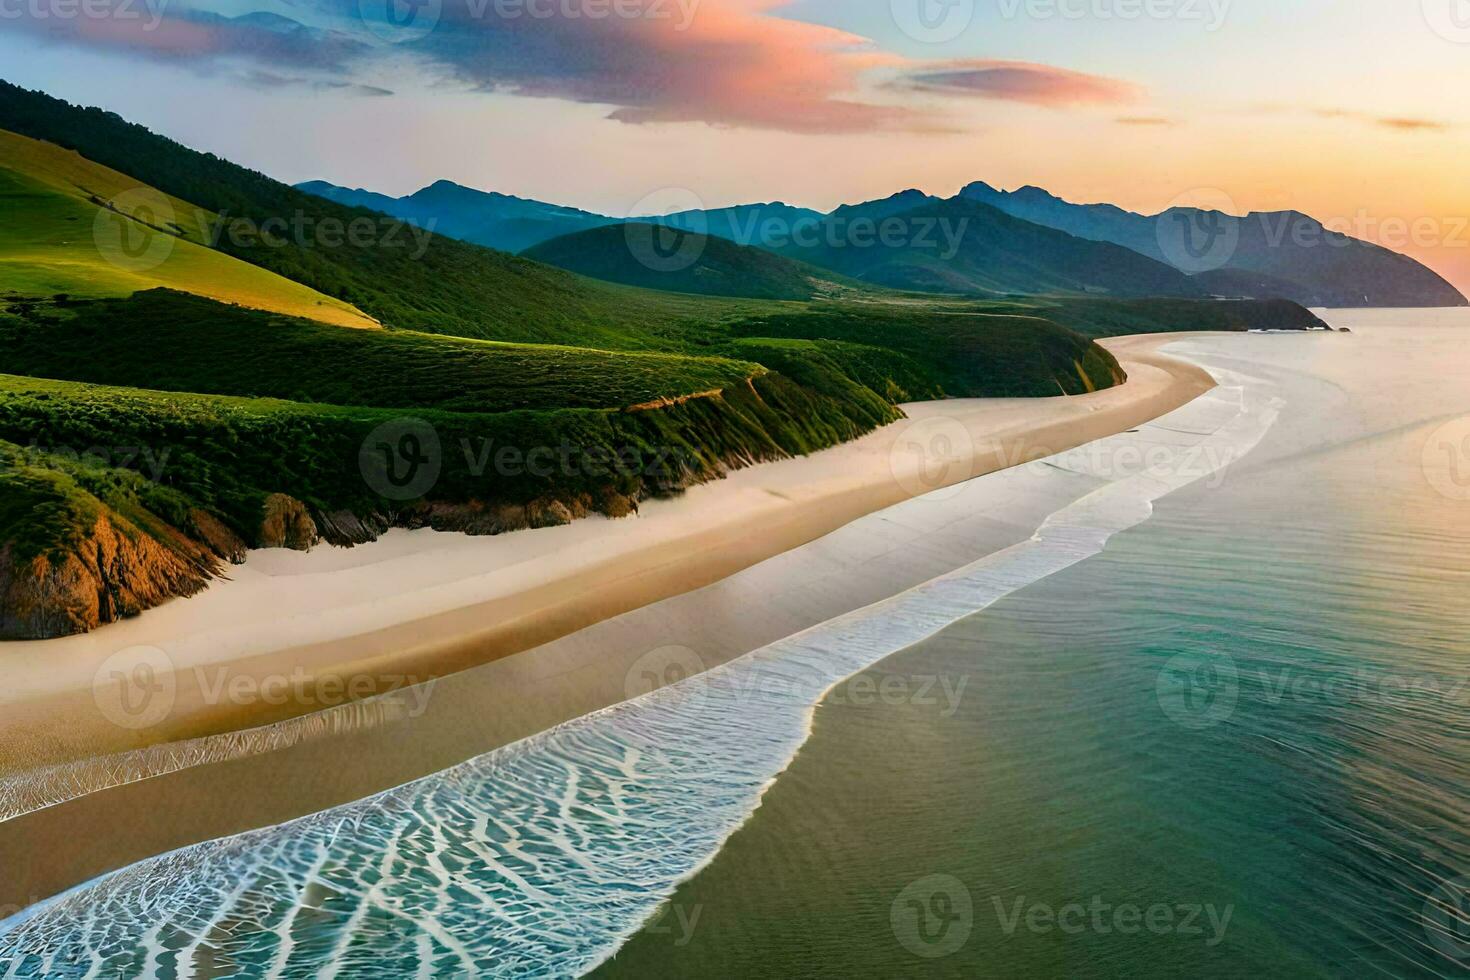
(1234, 744)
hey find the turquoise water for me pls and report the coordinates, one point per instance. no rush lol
(1234, 701)
(1252, 710)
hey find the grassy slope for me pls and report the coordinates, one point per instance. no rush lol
(49, 242)
(961, 351)
(222, 350)
(630, 254)
(431, 284)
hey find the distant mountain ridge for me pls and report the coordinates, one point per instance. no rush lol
(917, 242)
(1261, 255)
(498, 221)
(1284, 254)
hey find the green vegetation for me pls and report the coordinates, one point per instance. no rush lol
(224, 350)
(228, 455)
(48, 501)
(961, 351)
(1110, 318)
(57, 238)
(659, 257)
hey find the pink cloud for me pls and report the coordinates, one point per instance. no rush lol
(1022, 81)
(731, 63)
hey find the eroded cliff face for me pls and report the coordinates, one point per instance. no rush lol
(112, 571)
(105, 552)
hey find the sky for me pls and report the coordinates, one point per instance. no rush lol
(1352, 112)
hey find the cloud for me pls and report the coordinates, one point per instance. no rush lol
(728, 63)
(1144, 121)
(154, 31)
(1405, 124)
(1021, 81)
(1399, 122)
(735, 63)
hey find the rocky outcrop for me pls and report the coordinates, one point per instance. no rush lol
(344, 529)
(111, 572)
(287, 524)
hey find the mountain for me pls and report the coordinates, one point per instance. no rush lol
(967, 247)
(886, 207)
(657, 257)
(499, 221)
(1263, 254)
(769, 226)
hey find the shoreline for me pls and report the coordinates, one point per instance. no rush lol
(681, 580)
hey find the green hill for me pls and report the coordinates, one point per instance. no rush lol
(655, 256)
(390, 269)
(64, 233)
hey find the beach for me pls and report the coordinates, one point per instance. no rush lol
(524, 631)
